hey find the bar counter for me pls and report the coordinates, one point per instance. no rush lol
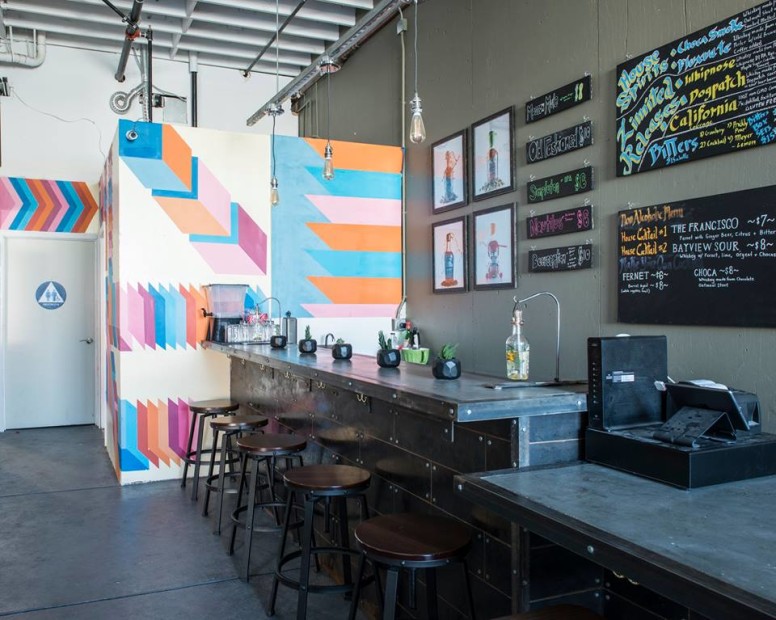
(415, 433)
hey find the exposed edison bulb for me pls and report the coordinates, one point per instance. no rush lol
(417, 128)
(328, 163)
(274, 195)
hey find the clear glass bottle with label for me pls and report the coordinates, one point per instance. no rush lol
(517, 350)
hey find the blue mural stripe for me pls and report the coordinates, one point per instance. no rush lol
(148, 144)
(180, 318)
(231, 238)
(190, 195)
(361, 184)
(359, 264)
(75, 206)
(131, 459)
(29, 204)
(170, 315)
(159, 322)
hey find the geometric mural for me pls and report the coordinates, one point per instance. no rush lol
(153, 432)
(223, 233)
(340, 252)
(52, 206)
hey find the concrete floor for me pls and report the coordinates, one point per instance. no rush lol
(75, 544)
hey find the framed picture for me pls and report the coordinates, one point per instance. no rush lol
(494, 248)
(449, 255)
(450, 189)
(493, 155)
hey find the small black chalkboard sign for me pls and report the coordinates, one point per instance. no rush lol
(560, 142)
(568, 258)
(559, 185)
(560, 222)
(558, 100)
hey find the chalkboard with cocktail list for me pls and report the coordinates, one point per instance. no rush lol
(708, 93)
(704, 261)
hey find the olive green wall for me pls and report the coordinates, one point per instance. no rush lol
(477, 57)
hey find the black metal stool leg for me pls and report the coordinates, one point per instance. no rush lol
(210, 472)
(391, 592)
(357, 587)
(188, 449)
(431, 594)
(225, 444)
(304, 570)
(249, 517)
(472, 611)
(344, 539)
(243, 469)
(281, 553)
(200, 435)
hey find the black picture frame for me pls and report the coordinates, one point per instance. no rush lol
(450, 156)
(450, 255)
(492, 230)
(491, 176)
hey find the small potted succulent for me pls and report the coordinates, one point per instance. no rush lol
(387, 356)
(308, 343)
(341, 350)
(445, 365)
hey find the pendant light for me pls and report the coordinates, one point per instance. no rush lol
(328, 66)
(275, 109)
(417, 128)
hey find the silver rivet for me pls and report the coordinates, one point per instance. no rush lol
(460, 487)
(590, 549)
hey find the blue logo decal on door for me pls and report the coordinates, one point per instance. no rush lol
(51, 295)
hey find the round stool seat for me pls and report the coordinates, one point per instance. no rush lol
(327, 478)
(229, 423)
(271, 443)
(214, 407)
(408, 537)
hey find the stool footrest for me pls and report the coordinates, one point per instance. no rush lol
(293, 582)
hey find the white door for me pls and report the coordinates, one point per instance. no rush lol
(50, 336)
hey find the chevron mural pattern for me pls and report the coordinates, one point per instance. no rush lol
(37, 205)
(193, 198)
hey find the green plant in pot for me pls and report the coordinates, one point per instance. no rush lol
(445, 364)
(308, 343)
(341, 350)
(387, 356)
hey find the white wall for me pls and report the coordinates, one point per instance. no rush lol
(75, 85)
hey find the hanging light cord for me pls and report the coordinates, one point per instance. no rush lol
(416, 47)
(274, 118)
(328, 107)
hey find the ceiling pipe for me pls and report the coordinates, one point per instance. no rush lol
(150, 74)
(274, 37)
(366, 26)
(131, 33)
(39, 43)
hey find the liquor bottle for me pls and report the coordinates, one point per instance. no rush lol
(518, 350)
(449, 258)
(492, 158)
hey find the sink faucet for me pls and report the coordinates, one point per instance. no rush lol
(326, 339)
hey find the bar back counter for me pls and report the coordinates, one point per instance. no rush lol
(415, 434)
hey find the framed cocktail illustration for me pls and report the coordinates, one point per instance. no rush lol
(449, 255)
(449, 188)
(493, 155)
(494, 248)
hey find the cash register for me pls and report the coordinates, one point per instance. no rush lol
(687, 434)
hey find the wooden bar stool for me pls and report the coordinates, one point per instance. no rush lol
(556, 612)
(319, 483)
(201, 410)
(230, 426)
(411, 541)
(259, 449)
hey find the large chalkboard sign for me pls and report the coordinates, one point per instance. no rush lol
(705, 261)
(560, 142)
(558, 100)
(568, 258)
(710, 92)
(560, 185)
(560, 222)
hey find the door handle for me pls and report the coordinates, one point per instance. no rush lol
(87, 340)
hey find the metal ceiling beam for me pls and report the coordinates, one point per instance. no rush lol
(275, 36)
(367, 25)
(333, 14)
(185, 25)
(265, 22)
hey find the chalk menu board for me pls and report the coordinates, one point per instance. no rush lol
(705, 261)
(708, 93)
(560, 185)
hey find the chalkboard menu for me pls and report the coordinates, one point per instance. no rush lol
(558, 100)
(560, 142)
(568, 258)
(560, 185)
(705, 261)
(560, 222)
(710, 92)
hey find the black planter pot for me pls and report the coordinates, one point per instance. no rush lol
(388, 359)
(308, 346)
(342, 351)
(446, 369)
(278, 342)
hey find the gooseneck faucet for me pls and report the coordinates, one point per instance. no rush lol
(326, 339)
(557, 332)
